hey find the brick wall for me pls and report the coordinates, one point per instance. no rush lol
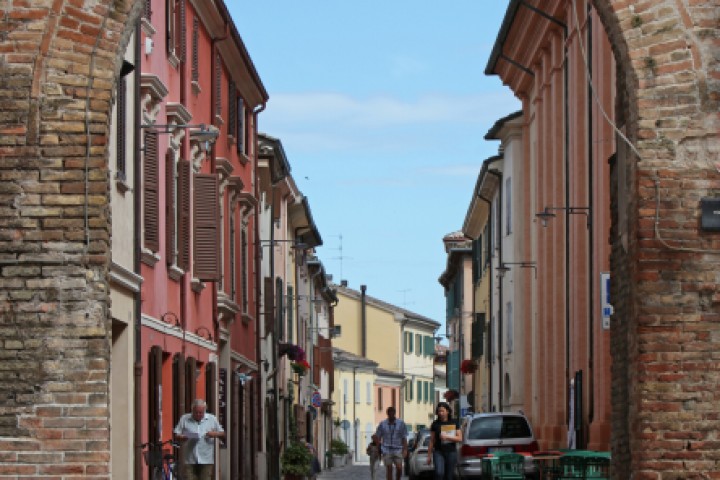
(59, 62)
(666, 325)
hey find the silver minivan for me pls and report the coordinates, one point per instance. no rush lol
(488, 433)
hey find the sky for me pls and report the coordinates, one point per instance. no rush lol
(381, 107)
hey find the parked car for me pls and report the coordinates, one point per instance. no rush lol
(417, 460)
(488, 433)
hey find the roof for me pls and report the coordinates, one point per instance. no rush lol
(342, 356)
(347, 291)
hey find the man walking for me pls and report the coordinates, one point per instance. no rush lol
(393, 443)
(198, 430)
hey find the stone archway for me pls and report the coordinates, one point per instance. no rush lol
(667, 302)
(60, 63)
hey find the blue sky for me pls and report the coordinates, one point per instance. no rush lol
(381, 107)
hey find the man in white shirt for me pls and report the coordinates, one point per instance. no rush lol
(198, 430)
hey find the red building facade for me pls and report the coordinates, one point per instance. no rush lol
(199, 99)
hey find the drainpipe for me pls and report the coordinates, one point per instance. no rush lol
(591, 267)
(137, 389)
(257, 431)
(363, 320)
(489, 322)
(501, 370)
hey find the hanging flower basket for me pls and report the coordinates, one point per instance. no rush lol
(293, 352)
(300, 367)
(467, 367)
(451, 395)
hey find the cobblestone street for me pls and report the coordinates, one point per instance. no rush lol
(353, 472)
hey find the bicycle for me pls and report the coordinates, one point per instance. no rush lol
(161, 462)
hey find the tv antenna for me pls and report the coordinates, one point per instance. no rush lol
(340, 256)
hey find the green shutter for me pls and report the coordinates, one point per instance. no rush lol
(453, 370)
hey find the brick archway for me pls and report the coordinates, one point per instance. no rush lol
(666, 324)
(60, 64)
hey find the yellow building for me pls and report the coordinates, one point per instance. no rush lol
(400, 341)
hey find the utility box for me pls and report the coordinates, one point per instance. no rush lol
(710, 211)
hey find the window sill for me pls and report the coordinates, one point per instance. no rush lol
(196, 87)
(197, 285)
(175, 272)
(148, 257)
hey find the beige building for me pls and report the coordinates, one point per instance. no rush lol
(354, 401)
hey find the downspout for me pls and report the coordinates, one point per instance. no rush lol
(363, 320)
(591, 244)
(566, 157)
(257, 432)
(137, 390)
(489, 321)
(355, 422)
(501, 370)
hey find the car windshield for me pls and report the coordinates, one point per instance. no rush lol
(486, 428)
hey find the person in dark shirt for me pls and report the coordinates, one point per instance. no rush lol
(445, 434)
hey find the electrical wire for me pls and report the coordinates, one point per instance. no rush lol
(588, 77)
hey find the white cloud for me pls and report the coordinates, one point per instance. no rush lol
(383, 111)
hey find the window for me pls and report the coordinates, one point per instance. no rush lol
(419, 391)
(232, 109)
(345, 395)
(408, 342)
(408, 391)
(170, 25)
(380, 400)
(418, 344)
(182, 211)
(356, 393)
(508, 206)
(280, 307)
(368, 390)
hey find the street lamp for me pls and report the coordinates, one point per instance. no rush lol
(503, 268)
(547, 214)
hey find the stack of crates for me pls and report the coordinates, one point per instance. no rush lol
(503, 466)
(585, 465)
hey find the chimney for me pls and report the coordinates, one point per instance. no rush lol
(343, 283)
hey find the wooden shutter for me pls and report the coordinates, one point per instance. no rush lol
(269, 300)
(181, 31)
(478, 335)
(232, 108)
(179, 407)
(150, 191)
(183, 201)
(211, 387)
(206, 227)
(195, 75)
(170, 32)
(218, 85)
(279, 308)
(290, 313)
(190, 381)
(120, 128)
(148, 9)
(170, 211)
(317, 362)
(240, 125)
(155, 394)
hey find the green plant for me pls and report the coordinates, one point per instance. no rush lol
(338, 447)
(296, 460)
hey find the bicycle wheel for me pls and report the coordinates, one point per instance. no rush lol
(157, 474)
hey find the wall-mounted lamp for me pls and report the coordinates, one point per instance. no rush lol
(504, 268)
(206, 330)
(295, 245)
(243, 378)
(547, 213)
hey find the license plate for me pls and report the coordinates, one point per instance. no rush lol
(500, 449)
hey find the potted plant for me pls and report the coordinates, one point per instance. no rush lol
(467, 367)
(300, 367)
(339, 450)
(296, 461)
